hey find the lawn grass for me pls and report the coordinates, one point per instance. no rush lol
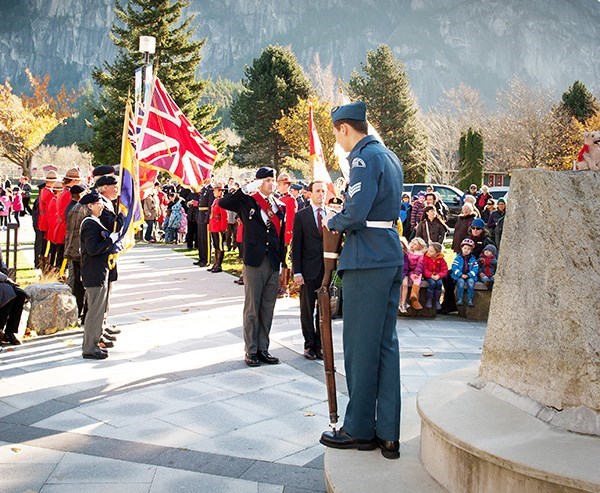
(231, 263)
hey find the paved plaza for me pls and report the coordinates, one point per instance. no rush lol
(174, 408)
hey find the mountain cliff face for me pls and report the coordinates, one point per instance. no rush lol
(481, 43)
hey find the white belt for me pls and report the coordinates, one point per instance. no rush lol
(380, 224)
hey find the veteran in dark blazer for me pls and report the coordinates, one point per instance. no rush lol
(307, 262)
(96, 245)
(263, 218)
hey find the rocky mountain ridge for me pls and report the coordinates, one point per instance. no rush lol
(481, 43)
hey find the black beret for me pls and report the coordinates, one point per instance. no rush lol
(102, 170)
(76, 189)
(352, 111)
(90, 198)
(265, 172)
(106, 180)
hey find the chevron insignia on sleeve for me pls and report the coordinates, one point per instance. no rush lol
(354, 189)
(358, 163)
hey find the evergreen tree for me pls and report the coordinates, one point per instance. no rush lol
(470, 159)
(273, 85)
(176, 61)
(385, 88)
(579, 102)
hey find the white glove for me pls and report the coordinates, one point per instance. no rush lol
(252, 186)
(326, 219)
(299, 279)
(114, 237)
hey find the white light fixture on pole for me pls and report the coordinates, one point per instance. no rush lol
(147, 46)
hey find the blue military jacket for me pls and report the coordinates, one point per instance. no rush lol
(374, 194)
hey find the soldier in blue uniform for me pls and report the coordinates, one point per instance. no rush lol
(371, 268)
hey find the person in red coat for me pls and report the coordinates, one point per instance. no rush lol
(435, 269)
(284, 182)
(52, 220)
(217, 225)
(44, 199)
(72, 177)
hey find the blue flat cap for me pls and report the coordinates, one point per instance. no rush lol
(352, 111)
(103, 169)
(296, 186)
(90, 198)
(265, 172)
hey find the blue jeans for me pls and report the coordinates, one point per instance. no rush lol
(433, 285)
(170, 235)
(460, 290)
(485, 278)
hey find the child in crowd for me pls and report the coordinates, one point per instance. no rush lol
(5, 204)
(417, 210)
(416, 251)
(435, 269)
(464, 272)
(183, 227)
(17, 204)
(487, 265)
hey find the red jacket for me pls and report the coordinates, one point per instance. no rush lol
(63, 201)
(46, 196)
(218, 218)
(435, 265)
(51, 220)
(291, 206)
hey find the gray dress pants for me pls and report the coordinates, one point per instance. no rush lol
(260, 287)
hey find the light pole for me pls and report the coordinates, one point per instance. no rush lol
(147, 46)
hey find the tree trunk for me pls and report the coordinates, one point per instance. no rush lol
(26, 164)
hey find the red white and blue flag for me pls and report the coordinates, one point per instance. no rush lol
(169, 142)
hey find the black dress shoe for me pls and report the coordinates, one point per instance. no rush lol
(252, 360)
(210, 269)
(108, 337)
(112, 330)
(389, 449)
(11, 339)
(106, 343)
(96, 355)
(319, 354)
(196, 262)
(341, 439)
(309, 354)
(216, 269)
(265, 357)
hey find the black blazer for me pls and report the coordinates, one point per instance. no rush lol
(259, 240)
(307, 246)
(95, 248)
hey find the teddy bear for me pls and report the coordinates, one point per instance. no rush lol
(589, 155)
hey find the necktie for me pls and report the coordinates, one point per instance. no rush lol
(320, 221)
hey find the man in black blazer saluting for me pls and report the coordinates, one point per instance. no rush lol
(263, 219)
(307, 260)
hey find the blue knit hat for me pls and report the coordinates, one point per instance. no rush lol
(478, 223)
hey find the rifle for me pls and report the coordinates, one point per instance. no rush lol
(331, 248)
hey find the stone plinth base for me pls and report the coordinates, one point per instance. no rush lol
(474, 442)
(482, 300)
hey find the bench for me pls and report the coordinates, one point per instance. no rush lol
(425, 312)
(483, 297)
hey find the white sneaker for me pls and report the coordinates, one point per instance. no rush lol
(402, 308)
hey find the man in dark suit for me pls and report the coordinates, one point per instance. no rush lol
(263, 218)
(205, 200)
(307, 261)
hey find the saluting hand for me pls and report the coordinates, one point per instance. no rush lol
(299, 279)
(326, 219)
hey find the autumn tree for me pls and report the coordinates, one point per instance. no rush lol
(176, 59)
(273, 86)
(26, 120)
(385, 88)
(458, 109)
(293, 129)
(520, 134)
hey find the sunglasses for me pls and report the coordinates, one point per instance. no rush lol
(475, 227)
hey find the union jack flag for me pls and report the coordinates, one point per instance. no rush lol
(170, 142)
